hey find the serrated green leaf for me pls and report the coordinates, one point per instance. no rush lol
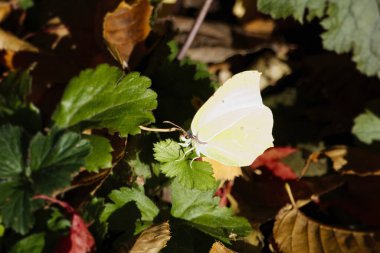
(125, 195)
(34, 243)
(199, 175)
(54, 157)
(15, 206)
(367, 127)
(11, 157)
(167, 151)
(105, 98)
(202, 210)
(347, 29)
(100, 156)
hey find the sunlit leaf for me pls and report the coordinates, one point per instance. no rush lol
(367, 127)
(202, 210)
(125, 195)
(340, 19)
(107, 98)
(153, 239)
(100, 156)
(126, 26)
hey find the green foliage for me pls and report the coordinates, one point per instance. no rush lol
(11, 154)
(195, 174)
(16, 206)
(202, 210)
(51, 161)
(367, 127)
(13, 90)
(100, 156)
(26, 4)
(125, 195)
(57, 221)
(347, 29)
(105, 98)
(32, 244)
(14, 107)
(179, 83)
(54, 157)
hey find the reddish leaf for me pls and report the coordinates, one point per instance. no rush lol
(80, 239)
(271, 160)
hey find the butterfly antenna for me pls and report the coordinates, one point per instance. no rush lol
(177, 127)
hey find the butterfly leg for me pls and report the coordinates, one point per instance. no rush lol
(185, 154)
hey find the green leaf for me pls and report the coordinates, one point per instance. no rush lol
(167, 151)
(202, 211)
(15, 206)
(100, 156)
(34, 243)
(367, 127)
(26, 4)
(11, 157)
(57, 221)
(199, 175)
(347, 29)
(105, 98)
(54, 157)
(140, 168)
(125, 195)
(13, 91)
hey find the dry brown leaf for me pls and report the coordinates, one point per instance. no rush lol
(125, 27)
(223, 172)
(152, 240)
(5, 10)
(10, 42)
(294, 232)
(218, 247)
(262, 28)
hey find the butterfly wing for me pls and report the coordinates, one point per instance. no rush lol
(234, 126)
(241, 143)
(233, 99)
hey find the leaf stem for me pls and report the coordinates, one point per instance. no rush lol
(194, 29)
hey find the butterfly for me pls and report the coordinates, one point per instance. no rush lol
(233, 126)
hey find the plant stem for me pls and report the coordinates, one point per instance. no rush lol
(194, 30)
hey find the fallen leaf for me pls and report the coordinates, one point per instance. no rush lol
(152, 240)
(8, 41)
(219, 247)
(262, 28)
(271, 160)
(223, 172)
(5, 10)
(294, 232)
(79, 239)
(125, 27)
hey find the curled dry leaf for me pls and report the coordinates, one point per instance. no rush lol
(10, 42)
(126, 26)
(218, 247)
(294, 232)
(223, 172)
(152, 240)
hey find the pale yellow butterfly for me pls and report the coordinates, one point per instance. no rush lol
(233, 127)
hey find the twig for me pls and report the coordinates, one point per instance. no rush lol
(194, 29)
(162, 130)
(290, 194)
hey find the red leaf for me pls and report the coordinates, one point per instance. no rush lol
(80, 239)
(271, 160)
